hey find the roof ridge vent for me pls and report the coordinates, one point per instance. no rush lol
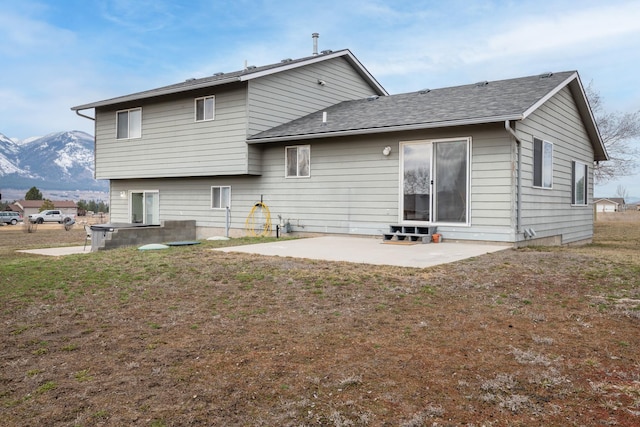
(285, 60)
(191, 79)
(372, 97)
(546, 75)
(482, 83)
(219, 73)
(423, 91)
(326, 51)
(251, 67)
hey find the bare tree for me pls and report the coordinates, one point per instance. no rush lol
(620, 133)
(621, 192)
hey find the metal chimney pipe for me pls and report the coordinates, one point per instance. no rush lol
(315, 36)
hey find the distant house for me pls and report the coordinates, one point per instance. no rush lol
(324, 146)
(28, 207)
(611, 204)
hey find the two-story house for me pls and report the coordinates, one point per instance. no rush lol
(321, 143)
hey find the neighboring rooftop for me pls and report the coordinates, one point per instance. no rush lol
(616, 200)
(58, 204)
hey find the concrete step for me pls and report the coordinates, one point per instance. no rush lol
(409, 233)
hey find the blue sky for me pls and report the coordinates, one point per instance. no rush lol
(62, 53)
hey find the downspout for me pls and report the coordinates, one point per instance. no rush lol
(85, 116)
(507, 126)
(94, 148)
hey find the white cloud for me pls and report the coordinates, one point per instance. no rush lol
(580, 29)
(22, 36)
(138, 15)
(121, 46)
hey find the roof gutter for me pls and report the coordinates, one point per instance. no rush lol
(155, 93)
(365, 131)
(507, 127)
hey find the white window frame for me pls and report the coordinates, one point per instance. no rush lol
(129, 129)
(286, 161)
(221, 202)
(208, 114)
(577, 166)
(433, 181)
(546, 164)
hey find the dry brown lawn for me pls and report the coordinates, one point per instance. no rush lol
(190, 337)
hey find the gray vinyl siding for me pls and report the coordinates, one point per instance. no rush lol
(282, 97)
(492, 185)
(549, 211)
(288, 95)
(172, 143)
(358, 197)
(353, 188)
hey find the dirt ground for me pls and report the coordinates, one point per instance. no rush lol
(194, 337)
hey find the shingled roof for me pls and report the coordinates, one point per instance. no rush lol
(248, 73)
(484, 102)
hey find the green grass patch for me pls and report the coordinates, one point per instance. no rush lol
(49, 385)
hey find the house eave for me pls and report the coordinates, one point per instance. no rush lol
(246, 76)
(154, 94)
(582, 103)
(385, 129)
(324, 57)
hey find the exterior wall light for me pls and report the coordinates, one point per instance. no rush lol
(387, 150)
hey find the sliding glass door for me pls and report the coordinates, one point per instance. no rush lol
(435, 181)
(416, 182)
(145, 207)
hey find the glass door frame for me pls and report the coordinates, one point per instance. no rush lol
(156, 210)
(433, 197)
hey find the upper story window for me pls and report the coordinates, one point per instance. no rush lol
(298, 161)
(542, 163)
(129, 123)
(205, 107)
(579, 175)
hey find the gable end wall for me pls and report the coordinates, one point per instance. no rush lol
(549, 211)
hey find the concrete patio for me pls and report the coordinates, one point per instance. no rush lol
(364, 250)
(369, 250)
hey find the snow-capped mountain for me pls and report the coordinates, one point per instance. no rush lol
(61, 161)
(8, 155)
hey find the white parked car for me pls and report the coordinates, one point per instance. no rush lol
(51, 215)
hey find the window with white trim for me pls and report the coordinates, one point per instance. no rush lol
(220, 197)
(579, 178)
(129, 123)
(298, 161)
(542, 163)
(204, 108)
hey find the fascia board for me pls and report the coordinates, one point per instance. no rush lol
(293, 65)
(549, 95)
(319, 58)
(585, 111)
(153, 94)
(243, 77)
(575, 85)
